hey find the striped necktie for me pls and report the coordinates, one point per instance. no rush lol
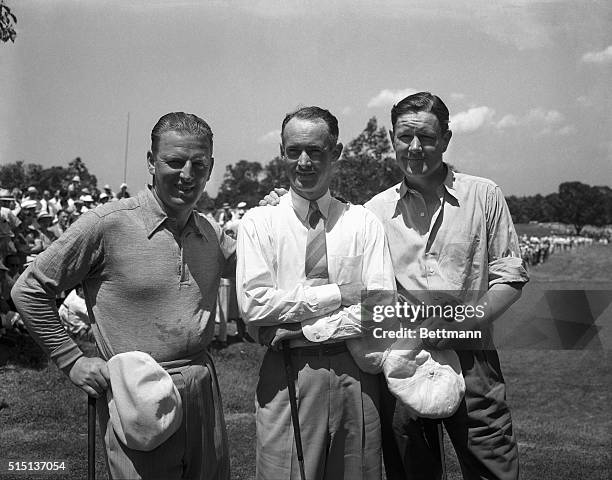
(316, 249)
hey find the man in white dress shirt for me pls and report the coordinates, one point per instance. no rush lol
(302, 267)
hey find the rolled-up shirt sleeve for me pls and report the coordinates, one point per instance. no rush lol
(505, 262)
(75, 256)
(261, 301)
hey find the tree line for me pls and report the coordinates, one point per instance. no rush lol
(367, 166)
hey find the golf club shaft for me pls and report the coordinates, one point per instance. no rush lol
(294, 409)
(442, 453)
(91, 438)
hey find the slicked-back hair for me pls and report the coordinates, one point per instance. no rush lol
(422, 102)
(314, 113)
(183, 124)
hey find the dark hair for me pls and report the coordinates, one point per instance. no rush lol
(422, 102)
(183, 123)
(314, 113)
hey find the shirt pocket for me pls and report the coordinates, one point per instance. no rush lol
(456, 261)
(346, 269)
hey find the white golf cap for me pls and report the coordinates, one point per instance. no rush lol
(144, 405)
(429, 383)
(29, 204)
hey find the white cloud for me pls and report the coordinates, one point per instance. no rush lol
(535, 118)
(387, 97)
(270, 137)
(508, 121)
(600, 57)
(567, 130)
(548, 117)
(471, 120)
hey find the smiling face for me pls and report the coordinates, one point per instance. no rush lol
(419, 144)
(308, 151)
(181, 166)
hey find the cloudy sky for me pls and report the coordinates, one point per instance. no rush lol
(525, 80)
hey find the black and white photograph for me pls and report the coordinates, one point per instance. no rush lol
(306, 239)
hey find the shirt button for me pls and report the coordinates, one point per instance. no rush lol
(431, 270)
(432, 373)
(317, 336)
(422, 214)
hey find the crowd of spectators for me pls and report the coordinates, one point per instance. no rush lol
(536, 250)
(30, 220)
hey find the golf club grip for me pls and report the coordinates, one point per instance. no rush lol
(292, 400)
(91, 438)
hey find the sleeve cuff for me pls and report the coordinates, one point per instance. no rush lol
(326, 297)
(66, 354)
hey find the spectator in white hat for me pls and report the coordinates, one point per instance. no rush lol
(123, 191)
(125, 254)
(109, 192)
(103, 198)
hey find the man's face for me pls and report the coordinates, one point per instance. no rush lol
(419, 144)
(181, 165)
(308, 152)
(62, 219)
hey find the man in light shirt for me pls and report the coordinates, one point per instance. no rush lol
(301, 269)
(449, 231)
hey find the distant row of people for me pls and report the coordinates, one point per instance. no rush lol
(536, 250)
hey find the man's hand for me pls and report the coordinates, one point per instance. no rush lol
(350, 293)
(273, 336)
(273, 197)
(90, 375)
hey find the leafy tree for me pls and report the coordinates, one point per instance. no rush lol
(241, 183)
(7, 23)
(274, 176)
(22, 175)
(205, 203)
(78, 167)
(581, 205)
(13, 175)
(367, 166)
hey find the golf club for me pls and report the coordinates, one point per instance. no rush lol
(294, 409)
(91, 438)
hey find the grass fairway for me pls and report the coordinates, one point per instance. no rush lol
(561, 400)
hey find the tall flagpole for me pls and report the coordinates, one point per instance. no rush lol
(127, 137)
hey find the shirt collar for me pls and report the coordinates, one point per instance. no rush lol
(154, 216)
(448, 184)
(301, 205)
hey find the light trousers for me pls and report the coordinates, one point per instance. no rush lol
(339, 419)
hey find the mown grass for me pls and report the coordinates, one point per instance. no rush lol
(561, 400)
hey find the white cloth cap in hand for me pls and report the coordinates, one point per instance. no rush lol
(144, 405)
(429, 383)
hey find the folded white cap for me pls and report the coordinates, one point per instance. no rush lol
(144, 404)
(429, 383)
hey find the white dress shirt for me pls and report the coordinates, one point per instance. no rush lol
(270, 278)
